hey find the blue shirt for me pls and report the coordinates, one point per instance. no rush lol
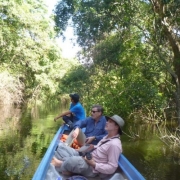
(92, 129)
(78, 111)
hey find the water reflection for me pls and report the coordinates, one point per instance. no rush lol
(26, 135)
(142, 146)
(9, 118)
(22, 145)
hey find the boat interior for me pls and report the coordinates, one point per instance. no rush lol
(54, 174)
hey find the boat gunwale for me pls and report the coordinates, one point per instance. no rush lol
(44, 164)
(42, 169)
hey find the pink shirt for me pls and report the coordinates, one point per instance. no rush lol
(106, 155)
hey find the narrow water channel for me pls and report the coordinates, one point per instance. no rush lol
(23, 143)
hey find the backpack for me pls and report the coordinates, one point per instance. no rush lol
(77, 178)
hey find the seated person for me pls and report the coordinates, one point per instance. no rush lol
(95, 127)
(105, 154)
(76, 112)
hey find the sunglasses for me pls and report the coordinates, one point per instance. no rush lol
(94, 111)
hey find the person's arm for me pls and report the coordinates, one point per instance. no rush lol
(75, 109)
(90, 139)
(81, 124)
(112, 164)
(90, 162)
(75, 133)
(77, 126)
(95, 137)
(99, 137)
(63, 114)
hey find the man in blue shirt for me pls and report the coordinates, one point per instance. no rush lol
(76, 112)
(95, 127)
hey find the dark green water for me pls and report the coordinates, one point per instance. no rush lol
(23, 143)
(151, 156)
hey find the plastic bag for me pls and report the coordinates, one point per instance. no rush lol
(52, 174)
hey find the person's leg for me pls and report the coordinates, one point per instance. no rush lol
(69, 139)
(68, 120)
(76, 165)
(64, 152)
(81, 138)
(56, 162)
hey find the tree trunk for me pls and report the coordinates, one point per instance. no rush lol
(169, 29)
(176, 64)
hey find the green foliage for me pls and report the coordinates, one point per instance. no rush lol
(75, 80)
(108, 51)
(136, 41)
(11, 89)
(132, 54)
(25, 41)
(123, 95)
(143, 93)
(28, 49)
(93, 19)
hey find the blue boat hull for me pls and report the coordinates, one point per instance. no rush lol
(128, 169)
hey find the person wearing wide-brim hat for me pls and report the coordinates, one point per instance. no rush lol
(105, 154)
(118, 120)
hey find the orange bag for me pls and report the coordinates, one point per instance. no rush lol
(63, 137)
(74, 145)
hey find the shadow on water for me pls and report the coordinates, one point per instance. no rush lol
(26, 134)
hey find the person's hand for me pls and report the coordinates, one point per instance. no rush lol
(89, 140)
(55, 119)
(75, 133)
(90, 162)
